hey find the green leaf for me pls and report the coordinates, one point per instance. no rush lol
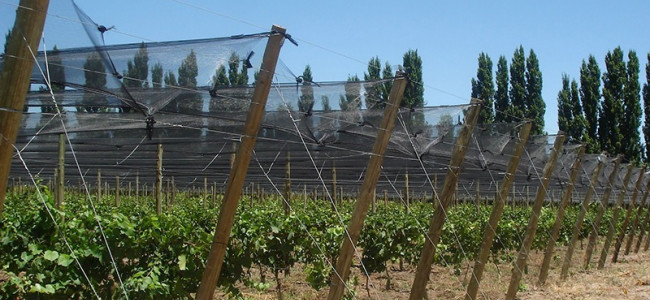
(38, 288)
(51, 255)
(64, 260)
(182, 260)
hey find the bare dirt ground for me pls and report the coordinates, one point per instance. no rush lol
(627, 279)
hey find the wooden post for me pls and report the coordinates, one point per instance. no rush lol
(158, 194)
(173, 199)
(581, 216)
(334, 190)
(407, 197)
(557, 225)
(137, 187)
(287, 185)
(628, 213)
(374, 201)
(304, 194)
(99, 184)
(117, 191)
(604, 202)
(645, 222)
(418, 289)
(386, 198)
(337, 288)
(205, 192)
(214, 195)
(14, 79)
(60, 172)
(534, 217)
(497, 211)
(612, 225)
(240, 165)
(637, 217)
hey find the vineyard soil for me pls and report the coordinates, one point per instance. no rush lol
(627, 279)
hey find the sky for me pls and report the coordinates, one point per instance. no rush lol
(338, 38)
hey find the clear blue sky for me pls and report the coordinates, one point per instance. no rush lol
(337, 38)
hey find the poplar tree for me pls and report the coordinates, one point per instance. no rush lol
(384, 90)
(535, 108)
(95, 76)
(590, 98)
(483, 88)
(137, 70)
(188, 71)
(501, 99)
(631, 139)
(577, 128)
(56, 76)
(352, 98)
(611, 115)
(157, 76)
(373, 99)
(564, 109)
(306, 101)
(646, 109)
(414, 93)
(517, 105)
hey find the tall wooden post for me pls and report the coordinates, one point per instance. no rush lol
(99, 184)
(205, 192)
(407, 196)
(534, 217)
(158, 194)
(628, 213)
(497, 211)
(637, 217)
(581, 216)
(418, 289)
(604, 202)
(287, 185)
(334, 190)
(137, 187)
(117, 191)
(14, 79)
(612, 225)
(645, 222)
(240, 166)
(351, 237)
(559, 217)
(60, 171)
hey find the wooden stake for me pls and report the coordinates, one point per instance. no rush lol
(418, 289)
(604, 202)
(407, 194)
(612, 225)
(14, 79)
(240, 166)
(557, 225)
(158, 194)
(287, 185)
(137, 187)
(117, 191)
(337, 288)
(637, 217)
(60, 178)
(99, 184)
(334, 190)
(581, 216)
(644, 223)
(628, 213)
(205, 192)
(497, 211)
(534, 217)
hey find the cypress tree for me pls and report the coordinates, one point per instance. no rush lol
(384, 90)
(56, 76)
(483, 88)
(611, 115)
(352, 98)
(188, 71)
(535, 108)
(631, 144)
(501, 99)
(590, 97)
(517, 107)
